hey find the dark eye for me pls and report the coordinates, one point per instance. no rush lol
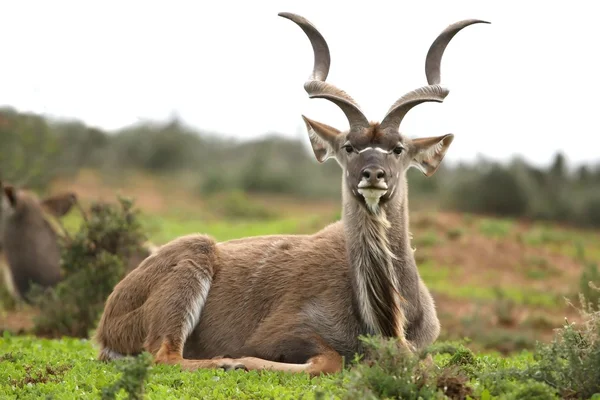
(398, 149)
(348, 148)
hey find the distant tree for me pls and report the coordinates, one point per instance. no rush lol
(583, 174)
(29, 153)
(496, 191)
(558, 169)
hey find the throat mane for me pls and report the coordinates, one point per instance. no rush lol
(375, 280)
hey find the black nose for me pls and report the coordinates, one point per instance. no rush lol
(373, 174)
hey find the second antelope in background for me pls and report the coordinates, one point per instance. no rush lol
(28, 242)
(297, 303)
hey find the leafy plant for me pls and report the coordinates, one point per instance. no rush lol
(504, 308)
(590, 277)
(570, 363)
(388, 371)
(133, 377)
(93, 262)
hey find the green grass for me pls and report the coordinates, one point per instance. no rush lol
(496, 228)
(442, 279)
(562, 241)
(538, 268)
(162, 228)
(32, 368)
(520, 295)
(426, 239)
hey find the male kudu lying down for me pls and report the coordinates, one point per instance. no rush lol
(297, 302)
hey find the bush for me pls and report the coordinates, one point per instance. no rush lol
(388, 371)
(566, 367)
(496, 191)
(570, 364)
(504, 308)
(590, 214)
(93, 262)
(134, 374)
(216, 182)
(590, 278)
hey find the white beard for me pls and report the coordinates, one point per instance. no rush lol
(372, 197)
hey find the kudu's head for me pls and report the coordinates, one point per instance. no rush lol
(22, 209)
(19, 202)
(376, 156)
(28, 237)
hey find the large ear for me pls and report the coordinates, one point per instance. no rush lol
(322, 138)
(11, 194)
(428, 153)
(59, 205)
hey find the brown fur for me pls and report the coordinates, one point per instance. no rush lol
(29, 243)
(374, 133)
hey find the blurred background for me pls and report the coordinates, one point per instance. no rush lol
(193, 110)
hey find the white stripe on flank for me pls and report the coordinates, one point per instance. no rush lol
(196, 306)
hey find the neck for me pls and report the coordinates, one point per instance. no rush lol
(375, 242)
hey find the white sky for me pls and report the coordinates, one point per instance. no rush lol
(526, 84)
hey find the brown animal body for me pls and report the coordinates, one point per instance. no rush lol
(296, 302)
(28, 242)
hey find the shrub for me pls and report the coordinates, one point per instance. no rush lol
(504, 308)
(590, 277)
(389, 371)
(216, 182)
(570, 363)
(455, 233)
(93, 262)
(567, 366)
(134, 374)
(496, 192)
(590, 215)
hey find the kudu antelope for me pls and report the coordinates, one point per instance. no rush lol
(296, 302)
(29, 242)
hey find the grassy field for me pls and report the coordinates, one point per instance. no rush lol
(32, 368)
(66, 369)
(499, 284)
